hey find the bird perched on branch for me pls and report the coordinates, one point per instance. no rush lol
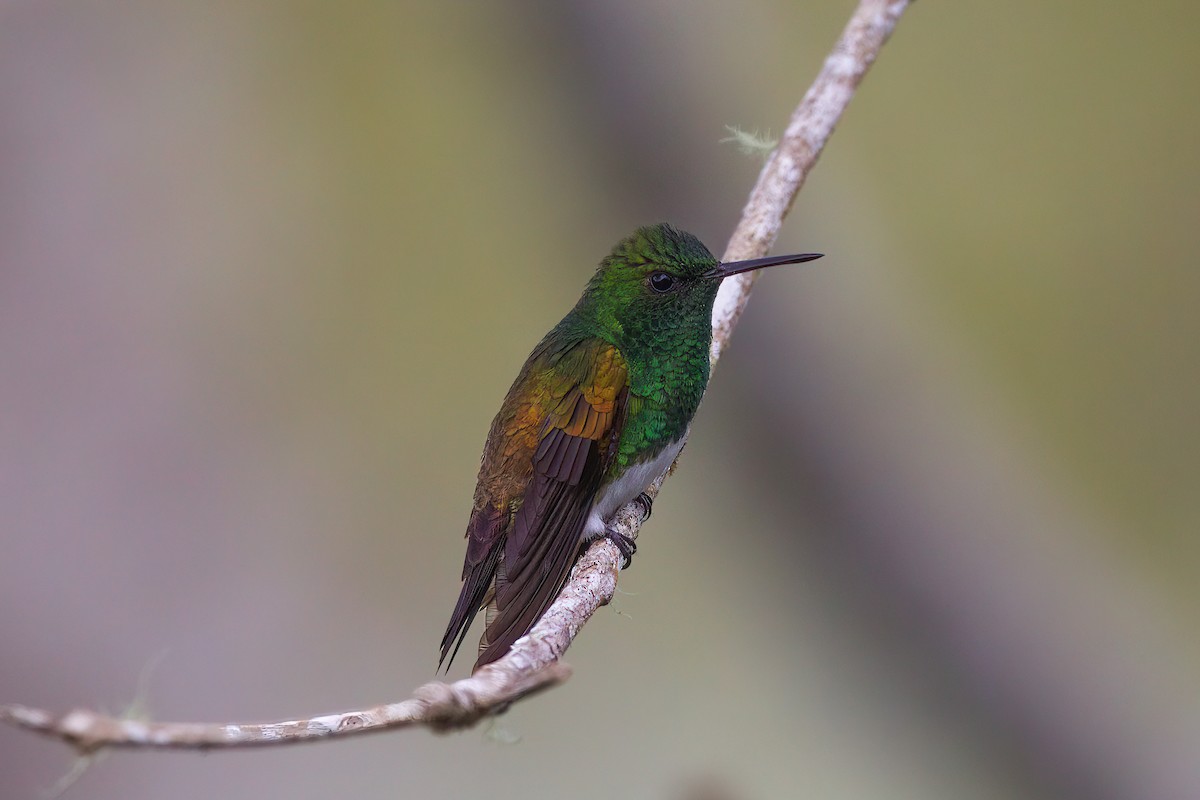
(600, 409)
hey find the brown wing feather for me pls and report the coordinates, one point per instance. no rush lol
(526, 555)
(545, 541)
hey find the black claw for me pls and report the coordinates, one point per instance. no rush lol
(625, 544)
(646, 503)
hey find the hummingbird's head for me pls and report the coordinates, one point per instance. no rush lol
(659, 273)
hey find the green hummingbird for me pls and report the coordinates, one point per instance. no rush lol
(600, 409)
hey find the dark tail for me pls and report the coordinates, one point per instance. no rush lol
(476, 584)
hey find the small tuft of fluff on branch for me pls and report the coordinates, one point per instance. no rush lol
(750, 143)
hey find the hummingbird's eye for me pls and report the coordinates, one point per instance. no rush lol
(661, 282)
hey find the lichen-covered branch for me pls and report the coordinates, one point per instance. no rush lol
(533, 662)
(436, 705)
(789, 164)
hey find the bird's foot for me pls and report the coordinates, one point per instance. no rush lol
(647, 503)
(624, 543)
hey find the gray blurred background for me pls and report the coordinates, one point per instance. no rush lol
(267, 270)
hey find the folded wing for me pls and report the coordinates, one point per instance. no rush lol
(522, 548)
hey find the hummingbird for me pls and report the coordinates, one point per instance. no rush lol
(600, 410)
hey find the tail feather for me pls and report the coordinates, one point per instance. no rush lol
(491, 607)
(474, 595)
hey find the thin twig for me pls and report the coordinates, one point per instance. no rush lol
(533, 662)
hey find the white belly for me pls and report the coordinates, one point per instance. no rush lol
(621, 491)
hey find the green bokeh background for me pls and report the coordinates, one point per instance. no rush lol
(267, 269)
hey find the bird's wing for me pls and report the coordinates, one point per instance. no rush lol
(575, 411)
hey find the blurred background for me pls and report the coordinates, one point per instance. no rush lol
(267, 270)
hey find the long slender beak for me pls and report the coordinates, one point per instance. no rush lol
(734, 267)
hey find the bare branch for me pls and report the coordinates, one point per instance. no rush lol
(533, 662)
(437, 705)
(811, 125)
